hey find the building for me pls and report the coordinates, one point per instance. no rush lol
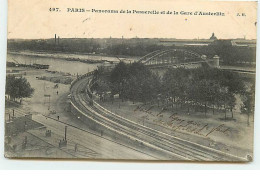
(213, 37)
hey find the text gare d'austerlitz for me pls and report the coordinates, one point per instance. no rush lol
(151, 12)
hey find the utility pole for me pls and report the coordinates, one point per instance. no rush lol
(65, 133)
(63, 143)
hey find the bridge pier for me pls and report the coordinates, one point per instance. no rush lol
(214, 62)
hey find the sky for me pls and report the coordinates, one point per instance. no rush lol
(32, 19)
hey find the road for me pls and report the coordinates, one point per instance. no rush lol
(94, 146)
(174, 148)
(78, 132)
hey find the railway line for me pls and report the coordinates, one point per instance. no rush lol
(172, 146)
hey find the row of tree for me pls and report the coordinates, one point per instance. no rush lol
(203, 86)
(196, 88)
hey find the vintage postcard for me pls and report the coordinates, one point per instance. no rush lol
(131, 80)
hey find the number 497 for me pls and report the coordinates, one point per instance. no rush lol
(52, 9)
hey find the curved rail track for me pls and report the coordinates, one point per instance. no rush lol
(173, 146)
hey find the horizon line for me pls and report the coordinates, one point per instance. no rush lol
(130, 38)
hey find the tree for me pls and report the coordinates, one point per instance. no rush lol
(232, 81)
(173, 84)
(134, 82)
(204, 93)
(248, 100)
(214, 93)
(118, 76)
(134, 89)
(18, 87)
(102, 86)
(231, 102)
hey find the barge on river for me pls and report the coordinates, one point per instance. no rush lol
(36, 66)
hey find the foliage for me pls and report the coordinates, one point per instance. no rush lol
(18, 87)
(134, 81)
(202, 86)
(248, 100)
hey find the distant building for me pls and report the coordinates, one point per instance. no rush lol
(213, 37)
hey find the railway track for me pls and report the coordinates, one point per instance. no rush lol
(182, 149)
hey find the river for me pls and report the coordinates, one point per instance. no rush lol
(58, 64)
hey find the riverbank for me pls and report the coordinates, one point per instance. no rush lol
(81, 57)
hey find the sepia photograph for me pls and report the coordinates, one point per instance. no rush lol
(144, 80)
